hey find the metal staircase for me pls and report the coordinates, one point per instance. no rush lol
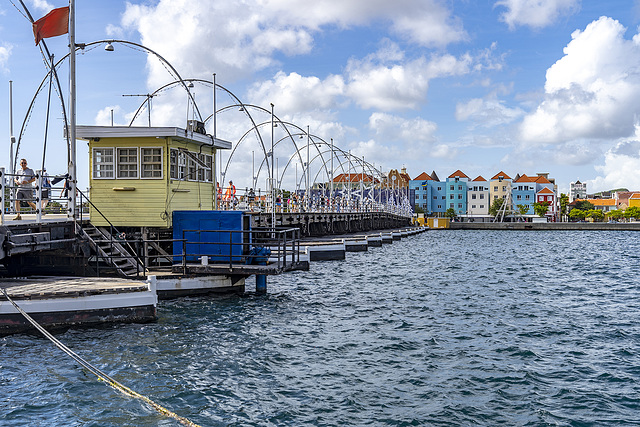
(110, 249)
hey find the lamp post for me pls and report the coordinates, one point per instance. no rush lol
(307, 194)
(273, 198)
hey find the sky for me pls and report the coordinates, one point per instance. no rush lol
(520, 86)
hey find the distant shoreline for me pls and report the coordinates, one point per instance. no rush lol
(590, 226)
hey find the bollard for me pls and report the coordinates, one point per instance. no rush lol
(260, 256)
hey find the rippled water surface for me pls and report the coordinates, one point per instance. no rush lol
(444, 328)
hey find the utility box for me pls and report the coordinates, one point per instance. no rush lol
(217, 235)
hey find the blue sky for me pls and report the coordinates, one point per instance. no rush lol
(522, 86)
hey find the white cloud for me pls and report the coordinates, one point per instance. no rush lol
(103, 117)
(487, 112)
(394, 128)
(5, 53)
(593, 92)
(426, 22)
(620, 168)
(294, 93)
(535, 13)
(399, 86)
(242, 39)
(42, 5)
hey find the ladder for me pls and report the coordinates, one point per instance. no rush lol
(109, 249)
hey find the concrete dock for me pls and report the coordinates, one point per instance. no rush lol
(60, 302)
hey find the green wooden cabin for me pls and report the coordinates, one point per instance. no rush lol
(139, 175)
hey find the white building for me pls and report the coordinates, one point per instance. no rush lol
(578, 190)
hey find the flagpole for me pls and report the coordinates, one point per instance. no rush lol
(72, 110)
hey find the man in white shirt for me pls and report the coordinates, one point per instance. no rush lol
(23, 180)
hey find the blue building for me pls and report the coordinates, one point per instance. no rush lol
(523, 192)
(422, 192)
(456, 191)
(438, 195)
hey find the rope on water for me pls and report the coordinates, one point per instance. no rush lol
(97, 372)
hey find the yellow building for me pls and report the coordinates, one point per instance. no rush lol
(499, 187)
(139, 175)
(634, 200)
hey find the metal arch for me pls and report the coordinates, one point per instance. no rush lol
(82, 47)
(284, 124)
(59, 87)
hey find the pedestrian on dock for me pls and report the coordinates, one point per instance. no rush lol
(46, 188)
(23, 180)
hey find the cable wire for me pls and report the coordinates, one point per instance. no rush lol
(97, 372)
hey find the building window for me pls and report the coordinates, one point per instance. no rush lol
(435, 197)
(191, 170)
(424, 196)
(451, 196)
(495, 188)
(526, 197)
(518, 197)
(459, 196)
(127, 162)
(152, 162)
(103, 164)
(451, 187)
(439, 188)
(443, 197)
(459, 205)
(208, 176)
(504, 188)
(481, 206)
(177, 164)
(481, 196)
(439, 206)
(473, 206)
(459, 187)
(473, 196)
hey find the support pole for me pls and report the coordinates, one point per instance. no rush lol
(73, 179)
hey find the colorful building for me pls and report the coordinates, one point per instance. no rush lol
(500, 187)
(478, 200)
(456, 188)
(422, 192)
(438, 201)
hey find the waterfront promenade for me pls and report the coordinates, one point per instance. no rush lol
(560, 226)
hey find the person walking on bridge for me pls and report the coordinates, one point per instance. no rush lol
(23, 180)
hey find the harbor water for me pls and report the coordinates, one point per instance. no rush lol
(445, 328)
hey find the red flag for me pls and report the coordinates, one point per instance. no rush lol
(54, 23)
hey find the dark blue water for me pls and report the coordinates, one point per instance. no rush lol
(446, 328)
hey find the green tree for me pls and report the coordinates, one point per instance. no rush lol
(576, 214)
(541, 208)
(596, 214)
(522, 209)
(564, 202)
(451, 213)
(496, 206)
(418, 209)
(632, 212)
(584, 205)
(616, 214)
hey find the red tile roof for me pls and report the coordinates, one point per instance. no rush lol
(479, 178)
(545, 190)
(423, 177)
(458, 174)
(355, 177)
(501, 174)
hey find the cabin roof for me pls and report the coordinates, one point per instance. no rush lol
(92, 132)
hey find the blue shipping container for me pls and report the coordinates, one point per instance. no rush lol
(203, 231)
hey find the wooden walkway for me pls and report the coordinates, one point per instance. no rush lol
(63, 287)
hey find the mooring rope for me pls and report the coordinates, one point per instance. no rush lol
(97, 372)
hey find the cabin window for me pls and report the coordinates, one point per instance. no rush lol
(191, 165)
(152, 162)
(177, 164)
(103, 163)
(127, 162)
